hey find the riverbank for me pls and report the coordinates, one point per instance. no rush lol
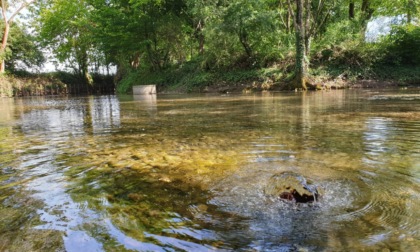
(264, 86)
(42, 84)
(276, 78)
(388, 62)
(191, 78)
(56, 83)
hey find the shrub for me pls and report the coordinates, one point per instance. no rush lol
(402, 45)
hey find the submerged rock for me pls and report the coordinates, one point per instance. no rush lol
(292, 187)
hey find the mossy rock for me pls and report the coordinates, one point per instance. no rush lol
(291, 186)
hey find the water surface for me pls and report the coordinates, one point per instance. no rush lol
(188, 172)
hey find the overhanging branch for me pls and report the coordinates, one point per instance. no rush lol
(16, 12)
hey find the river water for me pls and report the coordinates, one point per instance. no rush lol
(188, 172)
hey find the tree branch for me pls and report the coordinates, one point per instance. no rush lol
(3, 11)
(281, 17)
(319, 21)
(292, 13)
(307, 17)
(24, 4)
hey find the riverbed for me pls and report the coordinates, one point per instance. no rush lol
(188, 172)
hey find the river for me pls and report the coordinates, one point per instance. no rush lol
(188, 172)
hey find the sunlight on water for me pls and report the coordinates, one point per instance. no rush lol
(189, 173)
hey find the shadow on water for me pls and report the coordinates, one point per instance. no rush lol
(188, 172)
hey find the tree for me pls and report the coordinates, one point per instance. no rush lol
(310, 20)
(302, 64)
(65, 27)
(140, 33)
(351, 10)
(367, 13)
(7, 21)
(240, 33)
(199, 14)
(250, 21)
(412, 9)
(22, 49)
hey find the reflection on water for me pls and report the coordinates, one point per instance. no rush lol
(6, 109)
(149, 173)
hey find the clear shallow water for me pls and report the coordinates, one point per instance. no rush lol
(169, 173)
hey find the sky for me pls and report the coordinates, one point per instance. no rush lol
(381, 26)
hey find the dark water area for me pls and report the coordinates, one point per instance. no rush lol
(188, 172)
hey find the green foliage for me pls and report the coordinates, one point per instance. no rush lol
(23, 48)
(394, 57)
(343, 31)
(242, 33)
(150, 32)
(403, 75)
(65, 28)
(351, 60)
(402, 45)
(409, 9)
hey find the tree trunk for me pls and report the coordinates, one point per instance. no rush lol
(366, 15)
(201, 44)
(301, 63)
(199, 31)
(366, 10)
(288, 21)
(351, 10)
(135, 60)
(307, 47)
(87, 78)
(365, 5)
(307, 30)
(411, 7)
(243, 38)
(84, 70)
(3, 47)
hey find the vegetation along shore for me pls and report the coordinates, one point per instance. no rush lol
(216, 46)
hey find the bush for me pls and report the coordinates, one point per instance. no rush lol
(402, 45)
